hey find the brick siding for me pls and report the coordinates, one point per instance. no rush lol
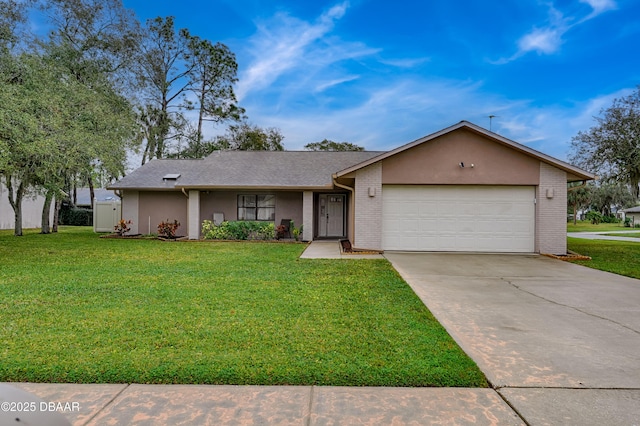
(551, 213)
(368, 209)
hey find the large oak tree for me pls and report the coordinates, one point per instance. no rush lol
(612, 146)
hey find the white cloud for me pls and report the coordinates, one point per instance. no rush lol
(322, 86)
(285, 44)
(405, 62)
(541, 40)
(547, 39)
(599, 6)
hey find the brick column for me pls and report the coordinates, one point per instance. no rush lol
(551, 211)
(368, 208)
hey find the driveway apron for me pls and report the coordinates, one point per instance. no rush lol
(533, 323)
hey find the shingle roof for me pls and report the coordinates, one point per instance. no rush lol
(246, 169)
(150, 176)
(632, 210)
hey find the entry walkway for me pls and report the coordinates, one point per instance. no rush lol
(331, 250)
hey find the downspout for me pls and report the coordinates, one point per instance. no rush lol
(339, 185)
(186, 194)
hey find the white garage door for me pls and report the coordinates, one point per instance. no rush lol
(458, 218)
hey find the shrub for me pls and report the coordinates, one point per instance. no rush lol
(76, 217)
(238, 230)
(610, 219)
(594, 217)
(122, 227)
(168, 229)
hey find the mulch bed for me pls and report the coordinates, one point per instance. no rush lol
(131, 236)
(348, 249)
(571, 255)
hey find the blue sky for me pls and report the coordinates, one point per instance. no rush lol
(381, 74)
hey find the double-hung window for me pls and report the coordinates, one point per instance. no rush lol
(257, 207)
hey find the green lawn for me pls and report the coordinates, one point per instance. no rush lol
(77, 308)
(587, 226)
(619, 257)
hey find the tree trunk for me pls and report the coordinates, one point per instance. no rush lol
(92, 194)
(56, 214)
(45, 227)
(16, 204)
(575, 214)
(201, 113)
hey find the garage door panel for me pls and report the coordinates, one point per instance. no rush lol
(458, 218)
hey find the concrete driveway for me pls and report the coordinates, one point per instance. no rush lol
(559, 342)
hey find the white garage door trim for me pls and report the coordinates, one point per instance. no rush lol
(458, 218)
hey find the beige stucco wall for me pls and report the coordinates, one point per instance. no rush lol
(368, 208)
(551, 211)
(158, 206)
(437, 162)
(288, 204)
(194, 225)
(130, 207)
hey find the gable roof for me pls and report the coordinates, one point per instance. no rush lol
(574, 173)
(245, 169)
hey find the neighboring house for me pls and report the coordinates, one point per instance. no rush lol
(84, 196)
(633, 213)
(32, 205)
(463, 188)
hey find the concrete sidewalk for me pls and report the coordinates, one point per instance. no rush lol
(602, 236)
(274, 405)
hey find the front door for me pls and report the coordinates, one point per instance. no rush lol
(331, 215)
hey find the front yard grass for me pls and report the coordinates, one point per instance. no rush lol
(79, 309)
(619, 257)
(587, 226)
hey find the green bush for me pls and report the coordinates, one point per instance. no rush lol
(610, 219)
(594, 217)
(238, 230)
(76, 217)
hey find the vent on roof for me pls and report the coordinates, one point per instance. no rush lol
(171, 176)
